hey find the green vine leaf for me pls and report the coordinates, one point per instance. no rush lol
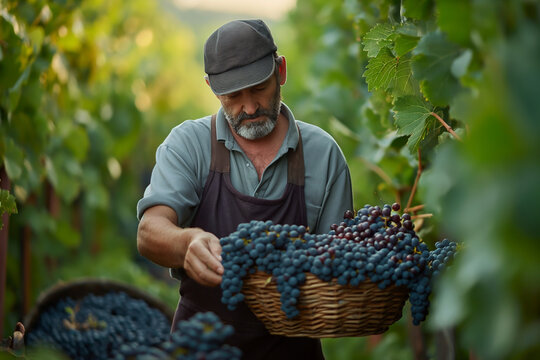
(7, 204)
(461, 64)
(405, 43)
(379, 37)
(416, 9)
(411, 113)
(404, 82)
(13, 158)
(455, 19)
(380, 71)
(432, 66)
(390, 73)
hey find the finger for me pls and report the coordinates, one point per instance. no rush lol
(199, 272)
(213, 262)
(208, 250)
(203, 264)
(215, 249)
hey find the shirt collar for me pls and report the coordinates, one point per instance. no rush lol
(223, 132)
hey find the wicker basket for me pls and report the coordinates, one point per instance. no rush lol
(327, 310)
(77, 289)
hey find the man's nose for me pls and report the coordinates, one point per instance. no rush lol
(249, 104)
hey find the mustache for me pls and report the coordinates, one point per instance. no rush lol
(260, 112)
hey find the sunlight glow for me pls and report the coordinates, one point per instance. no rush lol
(271, 9)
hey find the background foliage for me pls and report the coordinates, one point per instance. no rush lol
(88, 89)
(457, 60)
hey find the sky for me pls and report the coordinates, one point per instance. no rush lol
(272, 9)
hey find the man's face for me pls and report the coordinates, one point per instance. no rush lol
(253, 112)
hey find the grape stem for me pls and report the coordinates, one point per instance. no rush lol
(418, 173)
(414, 208)
(421, 216)
(448, 128)
(418, 223)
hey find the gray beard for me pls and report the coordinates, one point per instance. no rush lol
(256, 129)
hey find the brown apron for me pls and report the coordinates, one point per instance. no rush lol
(221, 209)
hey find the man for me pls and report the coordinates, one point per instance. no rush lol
(250, 161)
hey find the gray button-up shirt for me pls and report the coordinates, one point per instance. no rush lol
(183, 163)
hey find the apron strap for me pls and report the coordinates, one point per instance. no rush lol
(295, 158)
(220, 154)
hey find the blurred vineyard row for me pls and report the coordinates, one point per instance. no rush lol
(90, 88)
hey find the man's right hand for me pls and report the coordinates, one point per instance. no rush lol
(202, 261)
(161, 240)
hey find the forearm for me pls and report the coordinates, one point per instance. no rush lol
(161, 241)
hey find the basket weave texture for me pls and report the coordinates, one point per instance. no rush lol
(327, 309)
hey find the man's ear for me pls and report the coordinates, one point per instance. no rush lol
(282, 69)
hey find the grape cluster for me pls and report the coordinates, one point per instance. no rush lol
(202, 337)
(375, 244)
(443, 254)
(119, 327)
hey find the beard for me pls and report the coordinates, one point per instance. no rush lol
(256, 129)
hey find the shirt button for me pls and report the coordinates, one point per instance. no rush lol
(247, 164)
